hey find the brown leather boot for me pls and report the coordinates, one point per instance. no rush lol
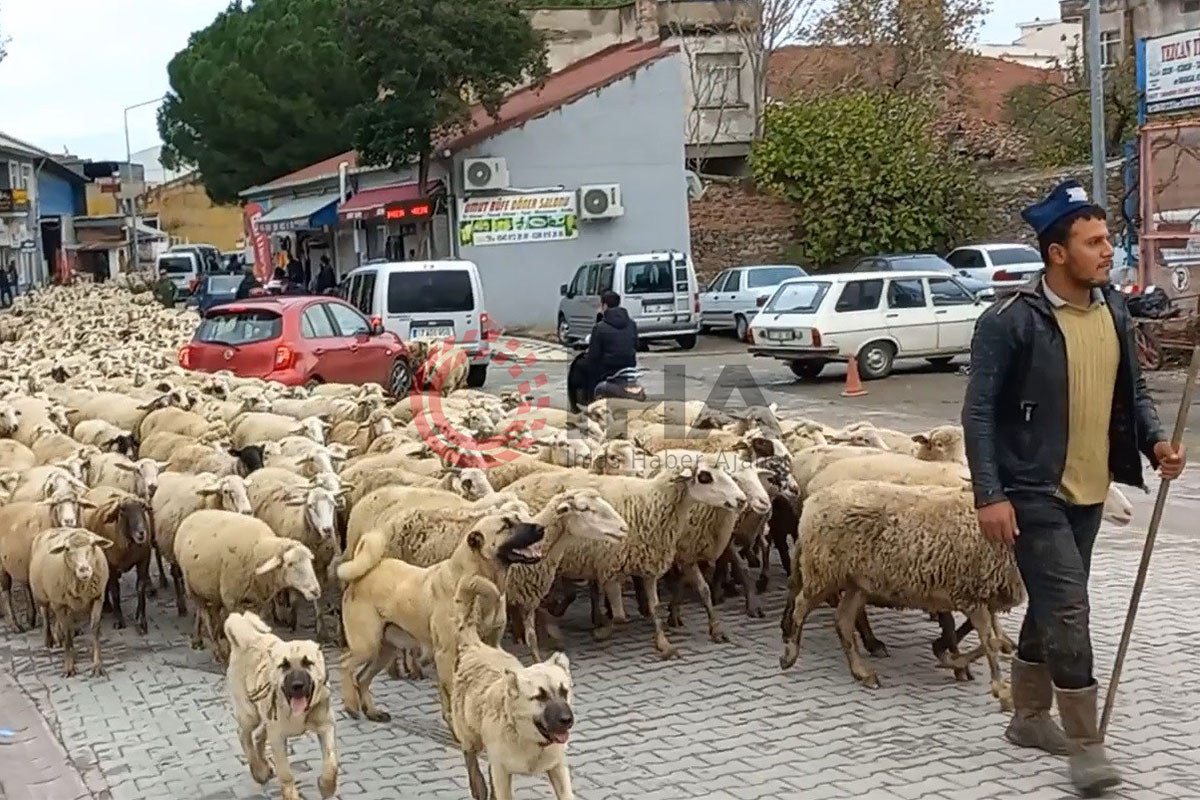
(1032, 725)
(1091, 772)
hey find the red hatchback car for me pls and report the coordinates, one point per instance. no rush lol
(298, 340)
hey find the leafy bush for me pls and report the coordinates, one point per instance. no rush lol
(867, 175)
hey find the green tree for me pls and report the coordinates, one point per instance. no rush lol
(1057, 117)
(867, 175)
(262, 91)
(3, 41)
(427, 61)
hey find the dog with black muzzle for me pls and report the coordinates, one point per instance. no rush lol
(280, 690)
(521, 716)
(389, 605)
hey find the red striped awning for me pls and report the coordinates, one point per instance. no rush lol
(372, 203)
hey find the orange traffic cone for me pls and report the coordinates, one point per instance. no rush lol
(853, 384)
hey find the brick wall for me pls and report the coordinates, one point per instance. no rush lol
(735, 224)
(1015, 191)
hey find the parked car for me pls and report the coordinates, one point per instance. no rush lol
(208, 256)
(427, 299)
(298, 340)
(908, 262)
(875, 317)
(658, 289)
(183, 268)
(213, 290)
(998, 265)
(736, 295)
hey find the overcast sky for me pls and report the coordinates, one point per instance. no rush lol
(74, 65)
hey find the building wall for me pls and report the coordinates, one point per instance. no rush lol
(715, 121)
(576, 33)
(185, 211)
(57, 196)
(1054, 37)
(630, 133)
(16, 227)
(1146, 18)
(101, 204)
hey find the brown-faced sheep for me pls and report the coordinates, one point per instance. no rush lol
(123, 519)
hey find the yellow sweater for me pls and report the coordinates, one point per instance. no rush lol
(1093, 355)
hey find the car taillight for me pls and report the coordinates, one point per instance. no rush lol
(1004, 275)
(185, 357)
(696, 303)
(749, 336)
(488, 329)
(762, 300)
(192, 284)
(816, 334)
(284, 356)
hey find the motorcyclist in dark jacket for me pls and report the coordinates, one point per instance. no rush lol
(249, 283)
(614, 341)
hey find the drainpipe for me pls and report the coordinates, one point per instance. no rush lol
(343, 180)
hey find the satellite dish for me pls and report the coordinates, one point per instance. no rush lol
(695, 186)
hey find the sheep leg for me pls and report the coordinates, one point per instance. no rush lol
(643, 603)
(845, 619)
(1007, 645)
(49, 618)
(144, 584)
(947, 645)
(616, 601)
(529, 622)
(6, 596)
(740, 569)
(675, 584)
(114, 598)
(97, 610)
(802, 606)
(693, 576)
(162, 573)
(982, 619)
(553, 632)
(67, 631)
(602, 624)
(664, 647)
(177, 579)
(320, 619)
(863, 625)
(32, 605)
(779, 537)
(716, 581)
(764, 577)
(198, 631)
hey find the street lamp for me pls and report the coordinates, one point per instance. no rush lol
(133, 214)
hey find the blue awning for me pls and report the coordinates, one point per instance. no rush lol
(301, 213)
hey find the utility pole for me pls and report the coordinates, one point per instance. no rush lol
(1096, 76)
(133, 212)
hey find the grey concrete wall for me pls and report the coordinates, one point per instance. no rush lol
(631, 133)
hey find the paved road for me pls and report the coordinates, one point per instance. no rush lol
(720, 723)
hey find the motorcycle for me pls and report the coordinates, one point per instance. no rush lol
(623, 384)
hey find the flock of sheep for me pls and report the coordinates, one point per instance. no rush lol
(244, 495)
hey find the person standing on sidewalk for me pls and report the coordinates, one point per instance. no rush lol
(1055, 409)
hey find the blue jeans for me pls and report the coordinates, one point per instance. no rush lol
(1054, 555)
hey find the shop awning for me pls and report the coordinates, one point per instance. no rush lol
(301, 213)
(372, 203)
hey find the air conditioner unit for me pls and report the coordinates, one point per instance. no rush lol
(480, 174)
(602, 201)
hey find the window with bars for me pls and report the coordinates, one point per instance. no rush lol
(720, 80)
(1189, 6)
(1110, 48)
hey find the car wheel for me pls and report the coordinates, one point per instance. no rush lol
(400, 380)
(564, 330)
(941, 362)
(643, 346)
(741, 326)
(806, 370)
(313, 383)
(477, 376)
(875, 360)
(686, 342)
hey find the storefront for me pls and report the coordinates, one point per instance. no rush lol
(300, 227)
(391, 222)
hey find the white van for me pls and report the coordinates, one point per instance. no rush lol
(426, 299)
(182, 267)
(659, 290)
(874, 317)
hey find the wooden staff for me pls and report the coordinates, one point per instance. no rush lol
(1160, 503)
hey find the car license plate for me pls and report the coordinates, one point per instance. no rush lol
(657, 308)
(430, 333)
(781, 335)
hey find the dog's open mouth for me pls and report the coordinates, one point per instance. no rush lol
(554, 737)
(525, 544)
(300, 704)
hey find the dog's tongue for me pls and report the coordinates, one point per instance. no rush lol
(561, 737)
(299, 705)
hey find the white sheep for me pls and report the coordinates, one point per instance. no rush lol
(67, 576)
(16, 456)
(258, 427)
(20, 523)
(232, 562)
(896, 468)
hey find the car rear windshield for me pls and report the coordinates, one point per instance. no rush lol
(772, 276)
(798, 298)
(176, 265)
(933, 263)
(223, 283)
(430, 292)
(649, 277)
(240, 327)
(1015, 255)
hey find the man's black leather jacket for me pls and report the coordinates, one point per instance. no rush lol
(1015, 412)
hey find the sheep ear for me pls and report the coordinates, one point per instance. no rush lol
(111, 516)
(296, 500)
(56, 549)
(162, 464)
(475, 540)
(921, 439)
(274, 562)
(762, 447)
(563, 508)
(121, 465)
(87, 504)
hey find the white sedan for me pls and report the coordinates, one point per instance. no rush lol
(999, 265)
